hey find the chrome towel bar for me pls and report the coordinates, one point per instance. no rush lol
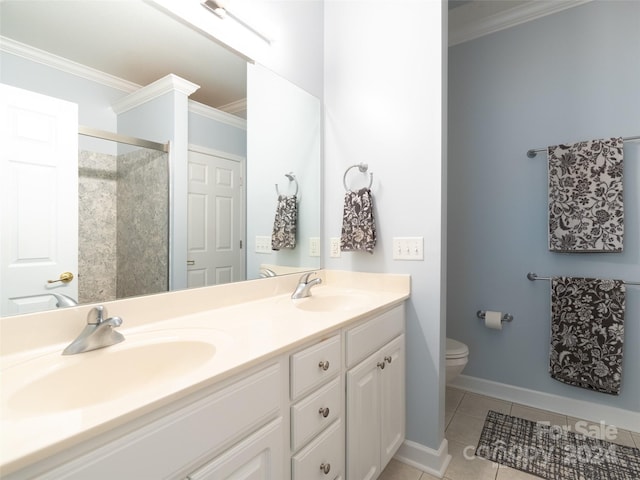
(534, 276)
(534, 151)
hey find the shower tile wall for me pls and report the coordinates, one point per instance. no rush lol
(143, 223)
(97, 187)
(123, 225)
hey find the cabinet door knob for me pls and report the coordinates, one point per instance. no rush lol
(381, 365)
(388, 359)
(324, 365)
(325, 468)
(324, 411)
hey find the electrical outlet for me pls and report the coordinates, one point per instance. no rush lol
(334, 247)
(263, 244)
(314, 246)
(408, 248)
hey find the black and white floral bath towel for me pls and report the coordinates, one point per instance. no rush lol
(358, 224)
(586, 211)
(285, 223)
(587, 332)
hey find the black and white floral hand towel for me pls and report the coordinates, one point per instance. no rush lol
(285, 223)
(358, 225)
(585, 196)
(587, 332)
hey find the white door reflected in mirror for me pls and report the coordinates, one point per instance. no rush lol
(216, 218)
(39, 212)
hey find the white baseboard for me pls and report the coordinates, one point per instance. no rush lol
(424, 458)
(595, 412)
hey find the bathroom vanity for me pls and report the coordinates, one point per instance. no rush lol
(208, 386)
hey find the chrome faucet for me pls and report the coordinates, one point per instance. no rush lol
(62, 300)
(303, 289)
(267, 272)
(98, 333)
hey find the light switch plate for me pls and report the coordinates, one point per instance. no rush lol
(334, 247)
(263, 244)
(314, 246)
(408, 248)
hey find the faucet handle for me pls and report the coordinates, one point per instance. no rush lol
(305, 277)
(96, 315)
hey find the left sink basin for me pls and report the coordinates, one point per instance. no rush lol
(56, 383)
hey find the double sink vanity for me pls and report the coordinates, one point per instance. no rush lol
(234, 381)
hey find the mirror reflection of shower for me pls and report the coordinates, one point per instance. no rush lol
(123, 211)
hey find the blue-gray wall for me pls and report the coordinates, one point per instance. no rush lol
(567, 77)
(210, 133)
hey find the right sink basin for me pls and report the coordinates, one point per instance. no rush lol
(342, 302)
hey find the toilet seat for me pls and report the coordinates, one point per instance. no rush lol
(456, 349)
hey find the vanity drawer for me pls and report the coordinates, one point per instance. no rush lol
(365, 339)
(314, 366)
(326, 450)
(308, 415)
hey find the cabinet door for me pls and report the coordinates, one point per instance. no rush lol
(363, 420)
(392, 400)
(259, 457)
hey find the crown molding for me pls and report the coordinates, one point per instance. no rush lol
(160, 87)
(217, 115)
(28, 52)
(166, 84)
(234, 107)
(461, 30)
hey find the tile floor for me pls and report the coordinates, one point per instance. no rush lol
(464, 418)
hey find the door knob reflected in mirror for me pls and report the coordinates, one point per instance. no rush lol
(65, 277)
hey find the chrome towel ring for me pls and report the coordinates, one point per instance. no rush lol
(363, 167)
(292, 178)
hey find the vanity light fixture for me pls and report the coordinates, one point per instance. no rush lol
(214, 7)
(221, 12)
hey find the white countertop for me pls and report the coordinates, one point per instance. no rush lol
(34, 426)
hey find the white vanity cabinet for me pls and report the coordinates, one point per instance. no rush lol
(239, 423)
(317, 420)
(330, 409)
(375, 388)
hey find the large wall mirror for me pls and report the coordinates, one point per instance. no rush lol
(266, 129)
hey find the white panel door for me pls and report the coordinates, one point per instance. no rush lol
(363, 420)
(215, 220)
(392, 400)
(38, 199)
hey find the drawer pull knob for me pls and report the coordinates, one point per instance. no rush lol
(388, 359)
(324, 411)
(325, 468)
(381, 365)
(324, 365)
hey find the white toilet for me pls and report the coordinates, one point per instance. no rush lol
(457, 357)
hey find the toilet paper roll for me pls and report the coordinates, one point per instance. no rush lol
(493, 320)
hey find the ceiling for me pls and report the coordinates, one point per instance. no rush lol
(138, 42)
(129, 39)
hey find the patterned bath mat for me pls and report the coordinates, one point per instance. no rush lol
(552, 452)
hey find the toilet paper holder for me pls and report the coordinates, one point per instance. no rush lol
(507, 317)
